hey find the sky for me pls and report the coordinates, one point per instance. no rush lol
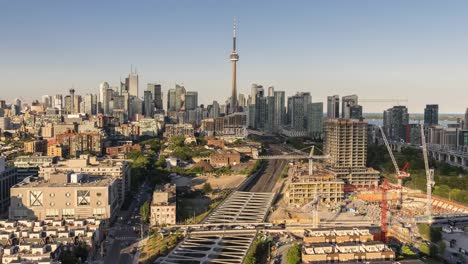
(415, 50)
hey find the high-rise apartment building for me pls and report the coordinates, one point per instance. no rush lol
(215, 111)
(270, 115)
(355, 112)
(314, 120)
(180, 97)
(347, 102)
(333, 106)
(102, 96)
(7, 180)
(346, 143)
(241, 101)
(297, 110)
(271, 90)
(256, 90)
(58, 101)
(279, 110)
(431, 114)
(395, 121)
(465, 126)
(171, 100)
(90, 104)
(191, 100)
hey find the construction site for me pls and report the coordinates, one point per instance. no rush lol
(320, 194)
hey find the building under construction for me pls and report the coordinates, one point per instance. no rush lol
(346, 143)
(323, 184)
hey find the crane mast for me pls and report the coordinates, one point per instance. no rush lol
(429, 175)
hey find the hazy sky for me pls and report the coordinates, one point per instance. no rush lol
(417, 50)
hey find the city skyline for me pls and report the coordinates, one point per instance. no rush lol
(377, 51)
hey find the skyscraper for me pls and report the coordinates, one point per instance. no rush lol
(180, 97)
(270, 115)
(102, 96)
(465, 125)
(431, 114)
(58, 101)
(191, 100)
(333, 106)
(345, 142)
(279, 110)
(234, 58)
(148, 104)
(131, 82)
(72, 101)
(355, 112)
(395, 121)
(171, 100)
(90, 104)
(314, 120)
(255, 90)
(157, 95)
(347, 102)
(215, 110)
(297, 110)
(241, 101)
(271, 90)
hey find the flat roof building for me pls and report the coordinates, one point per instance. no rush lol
(65, 195)
(343, 245)
(163, 205)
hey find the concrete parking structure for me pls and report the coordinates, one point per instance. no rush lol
(242, 207)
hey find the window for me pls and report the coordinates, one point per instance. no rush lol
(98, 203)
(99, 211)
(69, 211)
(98, 194)
(52, 203)
(52, 212)
(67, 194)
(52, 194)
(83, 197)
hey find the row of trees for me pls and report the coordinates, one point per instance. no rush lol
(451, 181)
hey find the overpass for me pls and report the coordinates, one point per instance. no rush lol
(244, 207)
(224, 247)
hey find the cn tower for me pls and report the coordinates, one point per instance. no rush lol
(234, 59)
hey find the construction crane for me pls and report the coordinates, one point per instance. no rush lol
(384, 207)
(396, 101)
(314, 206)
(399, 173)
(310, 157)
(429, 175)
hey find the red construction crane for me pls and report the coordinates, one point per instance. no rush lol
(384, 207)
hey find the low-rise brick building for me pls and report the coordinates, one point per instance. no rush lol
(225, 158)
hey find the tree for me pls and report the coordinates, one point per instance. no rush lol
(424, 249)
(145, 211)
(206, 189)
(407, 252)
(294, 254)
(161, 162)
(442, 247)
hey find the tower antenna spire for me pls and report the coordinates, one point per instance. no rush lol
(234, 35)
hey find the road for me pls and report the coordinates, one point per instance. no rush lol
(123, 233)
(267, 179)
